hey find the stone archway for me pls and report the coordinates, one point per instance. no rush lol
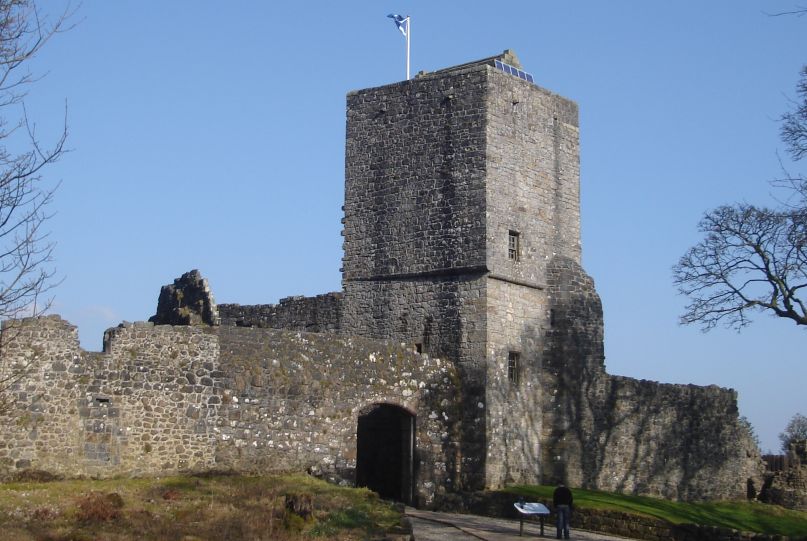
(385, 445)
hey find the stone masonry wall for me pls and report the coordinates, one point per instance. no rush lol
(414, 229)
(516, 317)
(442, 316)
(532, 183)
(626, 435)
(532, 177)
(292, 402)
(163, 399)
(788, 487)
(43, 429)
(674, 441)
(321, 313)
(133, 409)
(573, 363)
(414, 177)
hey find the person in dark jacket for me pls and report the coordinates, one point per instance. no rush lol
(562, 500)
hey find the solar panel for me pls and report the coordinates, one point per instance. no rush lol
(507, 68)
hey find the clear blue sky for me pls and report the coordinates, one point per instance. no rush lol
(210, 135)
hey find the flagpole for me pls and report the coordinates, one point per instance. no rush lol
(408, 34)
(404, 25)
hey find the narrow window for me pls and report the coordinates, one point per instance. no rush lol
(552, 318)
(513, 367)
(419, 348)
(513, 245)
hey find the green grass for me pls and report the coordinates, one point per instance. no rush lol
(192, 508)
(737, 515)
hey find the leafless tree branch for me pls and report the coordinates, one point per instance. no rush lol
(26, 252)
(753, 258)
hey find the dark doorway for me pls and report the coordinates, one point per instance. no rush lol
(385, 441)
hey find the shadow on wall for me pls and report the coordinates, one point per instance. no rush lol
(622, 434)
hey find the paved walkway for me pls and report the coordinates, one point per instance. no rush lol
(432, 526)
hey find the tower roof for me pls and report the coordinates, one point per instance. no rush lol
(507, 56)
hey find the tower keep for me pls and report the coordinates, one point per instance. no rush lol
(461, 186)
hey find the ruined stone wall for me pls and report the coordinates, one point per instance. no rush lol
(621, 434)
(292, 402)
(674, 441)
(143, 406)
(163, 399)
(573, 364)
(788, 487)
(321, 313)
(43, 427)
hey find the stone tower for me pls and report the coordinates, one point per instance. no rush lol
(462, 185)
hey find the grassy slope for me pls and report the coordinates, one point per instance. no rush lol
(744, 516)
(189, 508)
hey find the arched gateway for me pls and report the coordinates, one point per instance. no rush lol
(385, 444)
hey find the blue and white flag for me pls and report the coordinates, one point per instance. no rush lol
(401, 22)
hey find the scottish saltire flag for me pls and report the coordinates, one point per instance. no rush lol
(400, 22)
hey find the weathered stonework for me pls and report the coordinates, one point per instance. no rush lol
(123, 411)
(462, 242)
(788, 487)
(627, 435)
(166, 399)
(311, 314)
(188, 301)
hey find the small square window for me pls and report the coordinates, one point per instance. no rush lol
(513, 368)
(419, 348)
(513, 248)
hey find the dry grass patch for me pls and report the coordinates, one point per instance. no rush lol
(193, 508)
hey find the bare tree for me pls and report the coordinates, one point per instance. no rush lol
(794, 123)
(753, 258)
(26, 275)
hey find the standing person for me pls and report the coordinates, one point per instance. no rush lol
(562, 501)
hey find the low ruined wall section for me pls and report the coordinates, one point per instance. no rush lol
(674, 441)
(142, 406)
(42, 429)
(166, 383)
(622, 434)
(311, 314)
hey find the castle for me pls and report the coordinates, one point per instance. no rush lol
(465, 350)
